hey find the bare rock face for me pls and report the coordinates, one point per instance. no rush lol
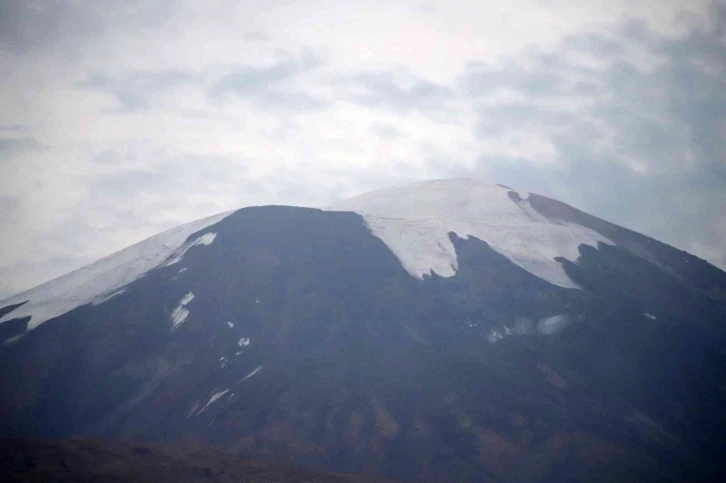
(444, 331)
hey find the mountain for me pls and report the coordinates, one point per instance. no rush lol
(451, 330)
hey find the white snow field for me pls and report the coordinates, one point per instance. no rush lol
(206, 240)
(415, 220)
(103, 278)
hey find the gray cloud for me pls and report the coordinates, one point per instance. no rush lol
(13, 127)
(257, 36)
(271, 86)
(385, 90)
(597, 44)
(134, 90)
(542, 80)
(10, 146)
(246, 79)
(27, 25)
(9, 207)
(385, 131)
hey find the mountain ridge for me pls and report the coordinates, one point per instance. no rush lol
(298, 336)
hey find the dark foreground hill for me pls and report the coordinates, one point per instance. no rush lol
(28, 460)
(445, 332)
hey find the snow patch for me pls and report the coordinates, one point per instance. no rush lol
(206, 240)
(553, 325)
(181, 313)
(494, 336)
(106, 275)
(12, 339)
(527, 326)
(212, 399)
(104, 298)
(230, 324)
(521, 326)
(250, 374)
(650, 316)
(193, 410)
(415, 221)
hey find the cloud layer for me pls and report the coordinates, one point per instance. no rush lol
(121, 119)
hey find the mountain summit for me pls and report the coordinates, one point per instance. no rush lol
(449, 330)
(415, 221)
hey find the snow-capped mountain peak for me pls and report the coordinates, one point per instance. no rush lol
(415, 221)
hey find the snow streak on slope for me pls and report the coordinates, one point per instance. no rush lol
(415, 220)
(212, 400)
(105, 276)
(181, 312)
(206, 240)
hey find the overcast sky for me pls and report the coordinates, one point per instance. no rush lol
(119, 119)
